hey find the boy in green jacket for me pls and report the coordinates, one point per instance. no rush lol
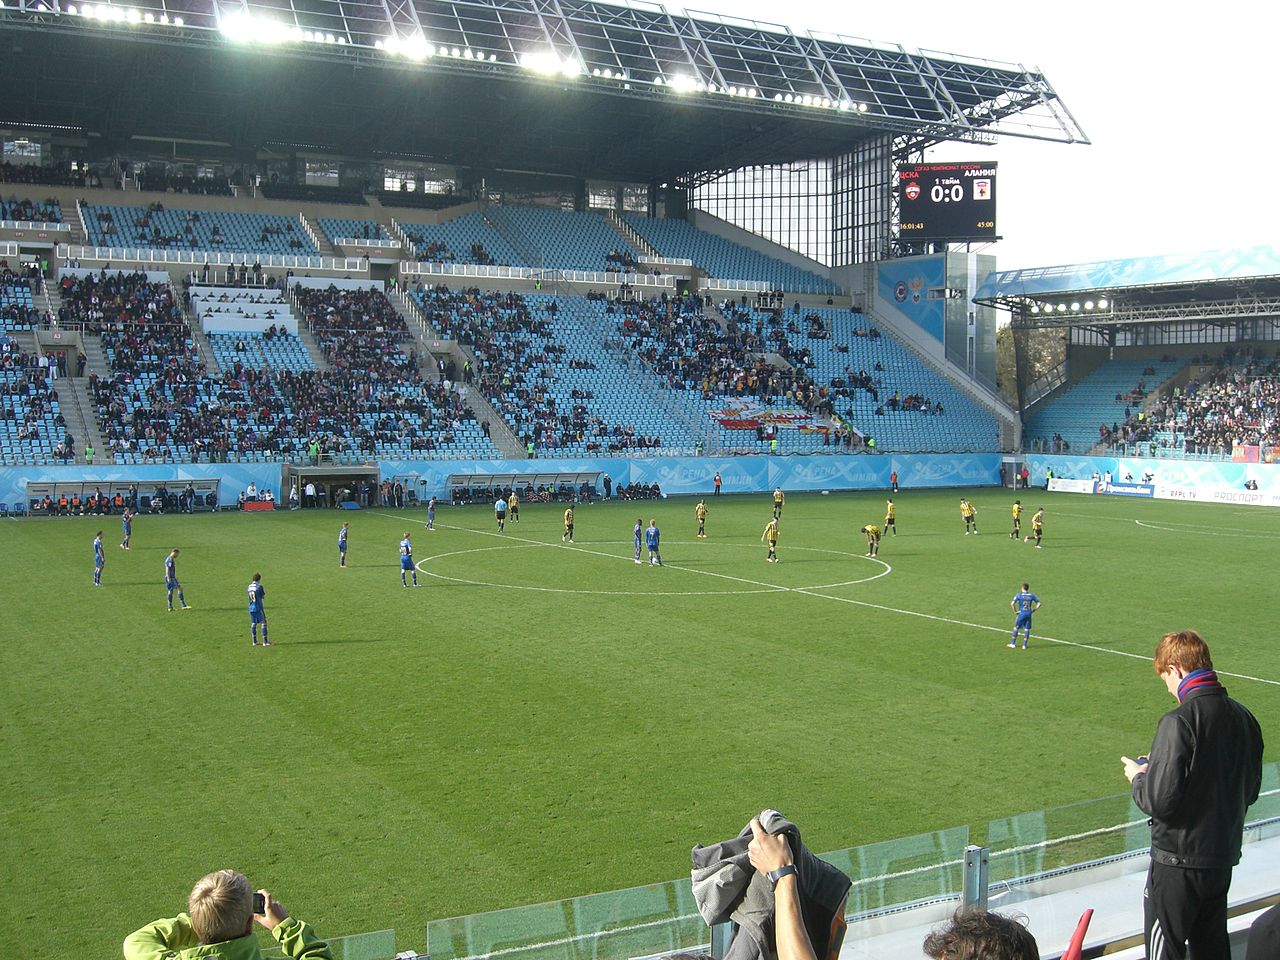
(219, 924)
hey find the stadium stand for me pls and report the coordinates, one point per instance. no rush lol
(32, 428)
(725, 259)
(573, 241)
(1236, 404)
(33, 211)
(1107, 395)
(17, 308)
(464, 239)
(271, 349)
(552, 381)
(159, 226)
(336, 228)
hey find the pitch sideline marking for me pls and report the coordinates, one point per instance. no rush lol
(809, 592)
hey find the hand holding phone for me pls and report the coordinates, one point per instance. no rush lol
(259, 904)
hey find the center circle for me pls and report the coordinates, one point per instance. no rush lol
(752, 586)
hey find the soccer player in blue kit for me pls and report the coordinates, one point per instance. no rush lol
(406, 561)
(653, 537)
(431, 514)
(637, 532)
(126, 528)
(171, 582)
(257, 613)
(1024, 604)
(342, 546)
(99, 560)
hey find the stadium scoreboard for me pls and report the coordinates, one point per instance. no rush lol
(947, 201)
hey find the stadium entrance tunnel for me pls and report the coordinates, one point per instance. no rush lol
(335, 485)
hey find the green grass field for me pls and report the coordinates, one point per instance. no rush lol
(540, 721)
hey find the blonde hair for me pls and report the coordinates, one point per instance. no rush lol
(221, 906)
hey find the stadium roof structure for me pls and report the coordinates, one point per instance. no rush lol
(1214, 287)
(588, 89)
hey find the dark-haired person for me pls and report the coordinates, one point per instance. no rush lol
(981, 935)
(1203, 772)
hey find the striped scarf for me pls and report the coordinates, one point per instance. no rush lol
(1197, 679)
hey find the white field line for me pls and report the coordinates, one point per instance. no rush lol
(811, 592)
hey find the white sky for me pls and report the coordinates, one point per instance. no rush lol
(1179, 100)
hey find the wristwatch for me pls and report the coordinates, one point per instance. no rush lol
(776, 875)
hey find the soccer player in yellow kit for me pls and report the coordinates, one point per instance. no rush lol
(873, 539)
(779, 498)
(771, 535)
(1017, 520)
(1037, 527)
(700, 511)
(891, 518)
(969, 515)
(568, 526)
(513, 505)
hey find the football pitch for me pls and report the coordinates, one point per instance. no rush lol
(541, 720)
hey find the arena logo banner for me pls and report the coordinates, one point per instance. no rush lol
(1127, 489)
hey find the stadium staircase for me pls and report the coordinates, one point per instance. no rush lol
(95, 356)
(79, 232)
(317, 236)
(198, 338)
(77, 407)
(500, 432)
(310, 342)
(629, 234)
(498, 219)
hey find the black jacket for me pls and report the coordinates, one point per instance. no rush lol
(1205, 771)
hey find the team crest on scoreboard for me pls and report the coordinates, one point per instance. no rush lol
(911, 191)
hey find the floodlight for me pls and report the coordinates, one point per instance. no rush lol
(541, 61)
(1102, 303)
(826, 102)
(178, 22)
(1088, 304)
(164, 19)
(133, 16)
(752, 93)
(862, 108)
(493, 58)
(683, 83)
(71, 8)
(1075, 306)
(1062, 308)
(1035, 308)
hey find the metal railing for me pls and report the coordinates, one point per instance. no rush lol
(34, 225)
(478, 271)
(151, 255)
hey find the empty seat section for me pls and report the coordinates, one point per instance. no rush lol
(572, 241)
(725, 259)
(336, 228)
(464, 239)
(149, 227)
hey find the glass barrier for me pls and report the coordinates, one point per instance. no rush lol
(378, 945)
(637, 922)
(1030, 845)
(1031, 854)
(925, 867)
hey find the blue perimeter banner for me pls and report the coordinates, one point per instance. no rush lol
(675, 475)
(1200, 474)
